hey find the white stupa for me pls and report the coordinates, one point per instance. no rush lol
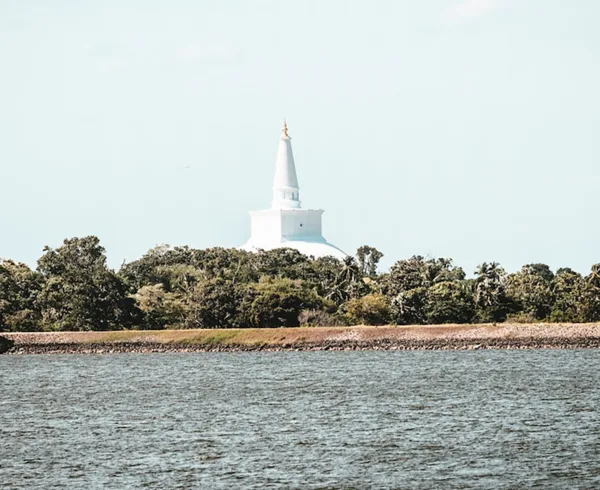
(286, 224)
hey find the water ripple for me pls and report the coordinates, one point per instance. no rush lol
(484, 419)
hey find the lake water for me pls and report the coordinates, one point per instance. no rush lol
(479, 419)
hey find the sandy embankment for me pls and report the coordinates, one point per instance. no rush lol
(438, 337)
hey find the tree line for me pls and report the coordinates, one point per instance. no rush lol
(72, 288)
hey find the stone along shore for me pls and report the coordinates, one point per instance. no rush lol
(438, 337)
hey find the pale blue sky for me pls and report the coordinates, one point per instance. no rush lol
(464, 129)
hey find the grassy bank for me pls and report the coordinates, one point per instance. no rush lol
(442, 337)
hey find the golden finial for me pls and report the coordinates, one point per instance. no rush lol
(285, 129)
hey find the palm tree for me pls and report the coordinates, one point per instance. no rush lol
(489, 284)
(345, 281)
(593, 279)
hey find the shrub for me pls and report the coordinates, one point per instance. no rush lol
(321, 318)
(23, 321)
(372, 309)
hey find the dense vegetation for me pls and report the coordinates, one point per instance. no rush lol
(73, 289)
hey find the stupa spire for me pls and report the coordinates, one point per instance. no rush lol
(285, 128)
(286, 193)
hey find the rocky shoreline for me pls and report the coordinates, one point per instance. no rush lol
(345, 345)
(435, 337)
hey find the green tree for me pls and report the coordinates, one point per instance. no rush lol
(228, 264)
(450, 302)
(408, 284)
(162, 309)
(408, 307)
(217, 303)
(340, 280)
(591, 296)
(532, 290)
(324, 277)
(19, 289)
(568, 288)
(368, 258)
(490, 296)
(285, 262)
(419, 272)
(147, 271)
(277, 302)
(80, 292)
